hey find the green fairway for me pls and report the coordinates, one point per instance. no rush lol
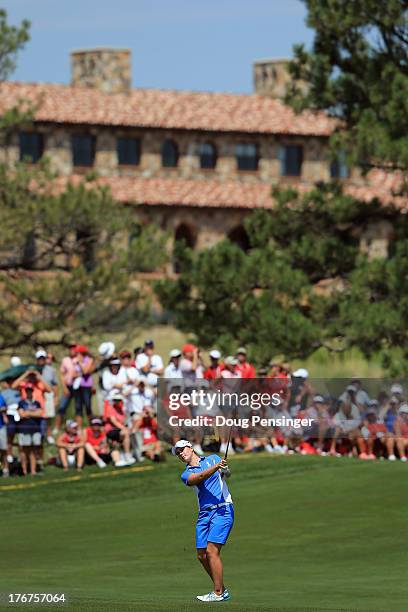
(311, 533)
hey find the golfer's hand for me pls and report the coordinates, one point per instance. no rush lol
(223, 466)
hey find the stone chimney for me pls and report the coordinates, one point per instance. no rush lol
(271, 77)
(106, 69)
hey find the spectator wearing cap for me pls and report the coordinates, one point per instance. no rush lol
(11, 397)
(115, 427)
(279, 377)
(400, 427)
(300, 391)
(49, 374)
(142, 396)
(29, 430)
(83, 383)
(361, 396)
(147, 425)
(347, 423)
(397, 391)
(106, 352)
(40, 386)
(131, 377)
(229, 375)
(213, 372)
(231, 369)
(96, 444)
(68, 373)
(3, 437)
(319, 416)
(350, 394)
(191, 365)
(113, 379)
(374, 432)
(172, 370)
(70, 446)
(390, 413)
(149, 364)
(246, 369)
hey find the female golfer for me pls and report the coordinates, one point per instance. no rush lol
(216, 512)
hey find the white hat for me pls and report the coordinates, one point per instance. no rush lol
(318, 399)
(116, 395)
(230, 360)
(175, 353)
(241, 351)
(403, 408)
(215, 354)
(301, 373)
(40, 353)
(15, 361)
(180, 444)
(106, 350)
(397, 388)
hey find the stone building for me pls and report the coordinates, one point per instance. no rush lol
(194, 163)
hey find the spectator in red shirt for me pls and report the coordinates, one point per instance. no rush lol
(147, 424)
(115, 426)
(96, 444)
(247, 370)
(213, 372)
(70, 447)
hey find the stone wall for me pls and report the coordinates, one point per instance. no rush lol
(108, 70)
(57, 145)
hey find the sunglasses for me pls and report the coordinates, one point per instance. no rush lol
(180, 450)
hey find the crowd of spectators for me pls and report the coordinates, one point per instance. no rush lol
(114, 399)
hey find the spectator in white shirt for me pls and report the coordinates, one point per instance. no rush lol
(113, 378)
(140, 397)
(173, 369)
(149, 364)
(131, 376)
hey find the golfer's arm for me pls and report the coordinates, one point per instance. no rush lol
(196, 479)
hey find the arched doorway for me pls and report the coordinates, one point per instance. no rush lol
(184, 235)
(239, 237)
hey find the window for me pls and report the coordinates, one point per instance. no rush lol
(169, 154)
(184, 236)
(247, 157)
(31, 146)
(291, 160)
(128, 151)
(83, 150)
(339, 168)
(208, 156)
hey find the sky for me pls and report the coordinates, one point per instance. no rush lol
(200, 45)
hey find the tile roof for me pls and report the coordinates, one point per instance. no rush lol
(233, 194)
(157, 108)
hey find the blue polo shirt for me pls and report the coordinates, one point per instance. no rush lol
(212, 491)
(3, 408)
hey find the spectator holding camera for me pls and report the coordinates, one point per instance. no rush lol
(115, 427)
(70, 447)
(147, 424)
(83, 383)
(68, 374)
(149, 364)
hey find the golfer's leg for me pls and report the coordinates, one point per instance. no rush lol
(215, 563)
(202, 557)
